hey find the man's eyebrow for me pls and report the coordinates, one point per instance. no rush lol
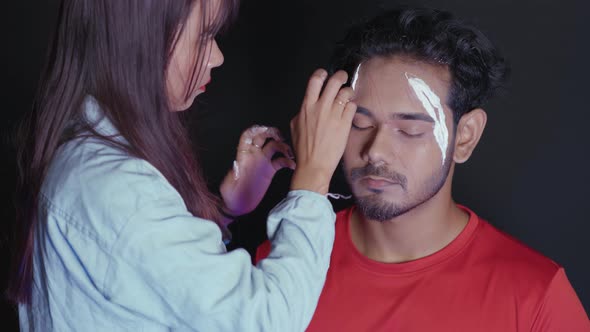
(364, 111)
(412, 116)
(398, 116)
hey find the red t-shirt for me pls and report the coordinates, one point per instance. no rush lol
(484, 280)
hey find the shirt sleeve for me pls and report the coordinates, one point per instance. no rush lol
(561, 309)
(173, 268)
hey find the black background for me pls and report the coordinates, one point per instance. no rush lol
(528, 176)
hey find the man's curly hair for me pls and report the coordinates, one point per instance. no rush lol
(434, 37)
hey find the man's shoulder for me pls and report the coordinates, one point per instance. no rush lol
(504, 252)
(344, 214)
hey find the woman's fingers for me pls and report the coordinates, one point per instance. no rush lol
(342, 98)
(333, 88)
(256, 136)
(272, 147)
(283, 162)
(349, 112)
(320, 132)
(314, 87)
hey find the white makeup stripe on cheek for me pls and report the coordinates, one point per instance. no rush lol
(355, 77)
(431, 102)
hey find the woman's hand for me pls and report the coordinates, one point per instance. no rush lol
(320, 131)
(245, 185)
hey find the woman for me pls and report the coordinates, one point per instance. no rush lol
(118, 229)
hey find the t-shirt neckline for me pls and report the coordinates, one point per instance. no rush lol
(421, 264)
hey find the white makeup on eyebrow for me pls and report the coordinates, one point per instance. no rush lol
(355, 77)
(431, 102)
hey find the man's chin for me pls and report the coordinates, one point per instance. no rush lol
(375, 208)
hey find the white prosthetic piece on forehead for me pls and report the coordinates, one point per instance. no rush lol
(431, 103)
(355, 77)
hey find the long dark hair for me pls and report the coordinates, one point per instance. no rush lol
(110, 49)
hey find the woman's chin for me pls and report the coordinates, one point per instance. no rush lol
(180, 107)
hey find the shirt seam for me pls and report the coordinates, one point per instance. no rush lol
(140, 167)
(84, 231)
(70, 220)
(434, 266)
(544, 299)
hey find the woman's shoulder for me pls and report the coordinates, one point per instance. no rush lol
(90, 180)
(91, 160)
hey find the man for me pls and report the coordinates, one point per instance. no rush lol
(406, 256)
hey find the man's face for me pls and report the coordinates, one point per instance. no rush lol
(399, 151)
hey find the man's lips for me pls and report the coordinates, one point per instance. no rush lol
(376, 182)
(377, 178)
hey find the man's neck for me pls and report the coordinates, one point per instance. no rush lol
(418, 233)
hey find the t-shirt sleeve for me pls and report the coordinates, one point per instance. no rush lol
(561, 310)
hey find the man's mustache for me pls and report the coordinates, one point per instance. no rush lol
(378, 171)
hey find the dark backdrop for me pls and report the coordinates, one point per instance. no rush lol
(528, 176)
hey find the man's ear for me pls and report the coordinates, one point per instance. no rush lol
(469, 131)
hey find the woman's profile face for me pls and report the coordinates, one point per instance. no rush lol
(184, 58)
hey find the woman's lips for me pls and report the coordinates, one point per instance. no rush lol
(204, 87)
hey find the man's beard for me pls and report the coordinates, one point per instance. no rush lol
(374, 207)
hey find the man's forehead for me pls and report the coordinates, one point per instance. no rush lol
(389, 85)
(394, 70)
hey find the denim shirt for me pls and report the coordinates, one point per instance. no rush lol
(117, 250)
